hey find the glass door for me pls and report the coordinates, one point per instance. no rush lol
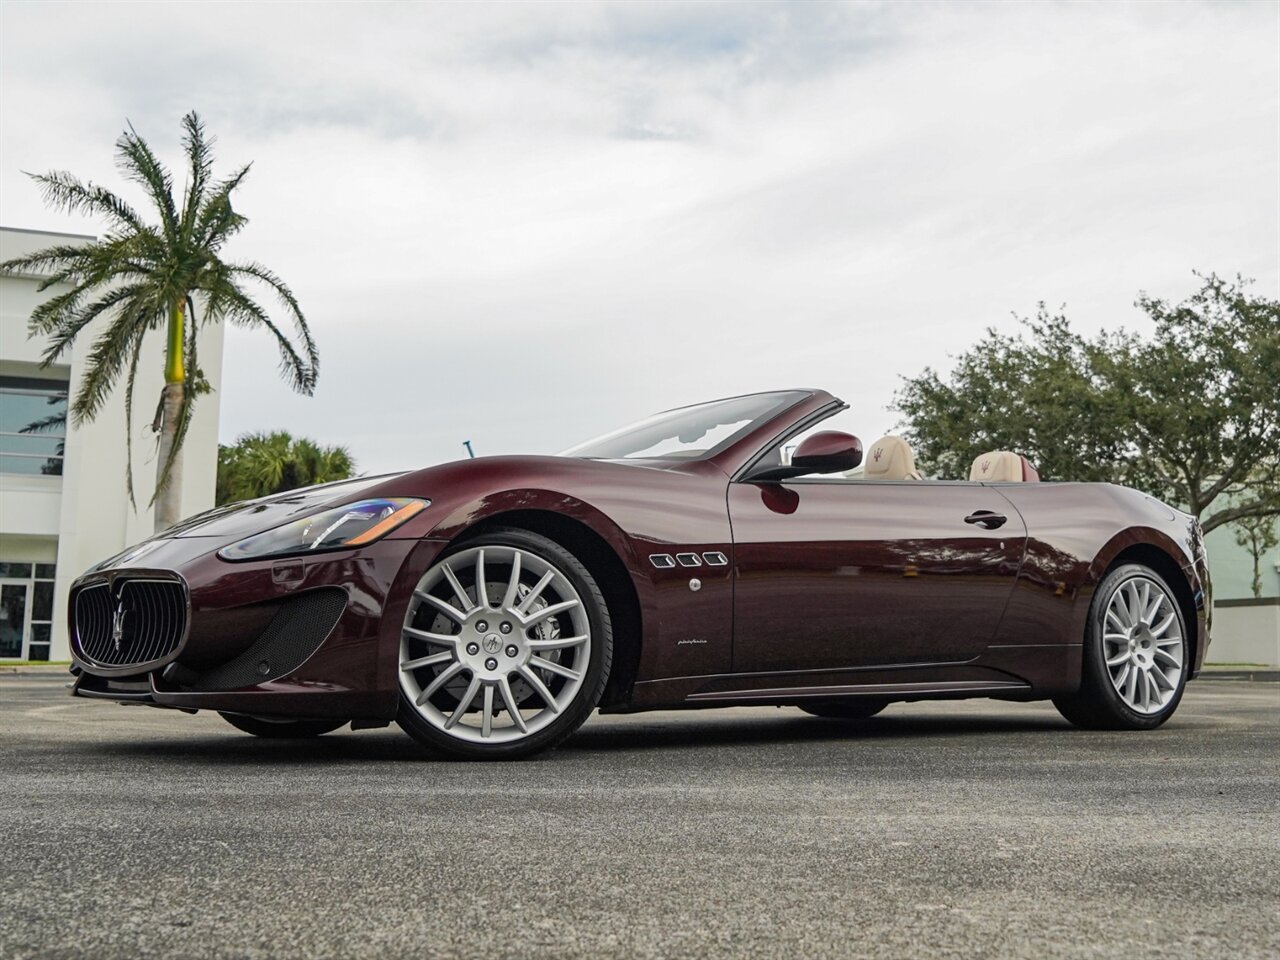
(15, 614)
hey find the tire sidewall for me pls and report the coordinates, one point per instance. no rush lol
(1098, 677)
(597, 675)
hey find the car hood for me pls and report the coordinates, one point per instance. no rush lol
(254, 516)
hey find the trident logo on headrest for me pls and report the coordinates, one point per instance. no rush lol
(985, 464)
(876, 454)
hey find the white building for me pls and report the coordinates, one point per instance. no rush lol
(63, 500)
(1246, 629)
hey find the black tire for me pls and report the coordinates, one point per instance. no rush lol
(1097, 705)
(845, 709)
(595, 677)
(282, 729)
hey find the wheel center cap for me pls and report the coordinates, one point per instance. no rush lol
(492, 643)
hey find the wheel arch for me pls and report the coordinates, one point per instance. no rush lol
(610, 571)
(1163, 560)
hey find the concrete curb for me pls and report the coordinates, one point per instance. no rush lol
(1256, 675)
(54, 670)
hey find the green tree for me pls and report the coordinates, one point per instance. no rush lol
(1257, 535)
(260, 464)
(141, 277)
(1190, 414)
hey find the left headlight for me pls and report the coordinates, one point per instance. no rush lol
(351, 525)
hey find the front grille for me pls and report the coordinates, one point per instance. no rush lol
(130, 622)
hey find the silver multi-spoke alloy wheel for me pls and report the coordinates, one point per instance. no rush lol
(496, 645)
(1137, 653)
(1142, 644)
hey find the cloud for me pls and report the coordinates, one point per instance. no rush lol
(521, 224)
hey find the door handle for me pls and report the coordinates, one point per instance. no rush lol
(986, 518)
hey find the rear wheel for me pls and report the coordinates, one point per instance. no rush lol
(282, 729)
(845, 709)
(1135, 654)
(506, 648)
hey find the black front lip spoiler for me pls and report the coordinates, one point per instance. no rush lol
(94, 687)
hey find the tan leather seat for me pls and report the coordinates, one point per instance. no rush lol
(890, 458)
(1003, 466)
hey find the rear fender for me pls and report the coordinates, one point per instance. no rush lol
(1174, 561)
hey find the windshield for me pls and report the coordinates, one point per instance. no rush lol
(687, 433)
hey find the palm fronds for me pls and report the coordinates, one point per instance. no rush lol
(260, 464)
(149, 276)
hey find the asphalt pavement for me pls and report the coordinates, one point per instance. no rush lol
(937, 830)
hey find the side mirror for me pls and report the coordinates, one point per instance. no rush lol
(827, 452)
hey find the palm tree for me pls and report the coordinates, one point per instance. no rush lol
(142, 277)
(259, 464)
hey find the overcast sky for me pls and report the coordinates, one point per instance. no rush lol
(524, 224)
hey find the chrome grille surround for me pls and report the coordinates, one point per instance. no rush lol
(129, 623)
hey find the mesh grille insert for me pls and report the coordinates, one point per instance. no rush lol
(303, 622)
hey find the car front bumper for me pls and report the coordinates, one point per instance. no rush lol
(300, 637)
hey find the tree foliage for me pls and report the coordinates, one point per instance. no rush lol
(1190, 414)
(148, 275)
(260, 464)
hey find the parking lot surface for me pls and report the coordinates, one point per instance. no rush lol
(937, 830)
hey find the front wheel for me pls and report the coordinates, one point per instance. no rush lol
(281, 729)
(1135, 655)
(505, 649)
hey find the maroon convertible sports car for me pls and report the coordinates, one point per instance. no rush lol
(722, 554)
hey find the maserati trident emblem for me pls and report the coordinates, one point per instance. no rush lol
(117, 624)
(876, 454)
(985, 465)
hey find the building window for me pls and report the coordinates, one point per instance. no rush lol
(26, 610)
(33, 425)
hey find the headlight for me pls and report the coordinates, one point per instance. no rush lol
(351, 525)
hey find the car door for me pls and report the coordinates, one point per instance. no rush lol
(835, 574)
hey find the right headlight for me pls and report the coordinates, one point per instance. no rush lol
(351, 525)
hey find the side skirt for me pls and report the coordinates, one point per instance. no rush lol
(898, 691)
(1013, 672)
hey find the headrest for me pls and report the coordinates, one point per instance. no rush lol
(889, 458)
(1003, 466)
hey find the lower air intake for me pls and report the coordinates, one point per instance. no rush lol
(302, 624)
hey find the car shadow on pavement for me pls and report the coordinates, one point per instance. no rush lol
(239, 749)
(668, 732)
(716, 732)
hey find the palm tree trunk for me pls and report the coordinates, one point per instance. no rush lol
(168, 498)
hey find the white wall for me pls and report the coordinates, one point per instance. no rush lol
(1231, 565)
(1246, 631)
(88, 508)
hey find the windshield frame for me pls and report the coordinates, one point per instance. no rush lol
(591, 449)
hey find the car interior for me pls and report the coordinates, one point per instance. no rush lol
(891, 458)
